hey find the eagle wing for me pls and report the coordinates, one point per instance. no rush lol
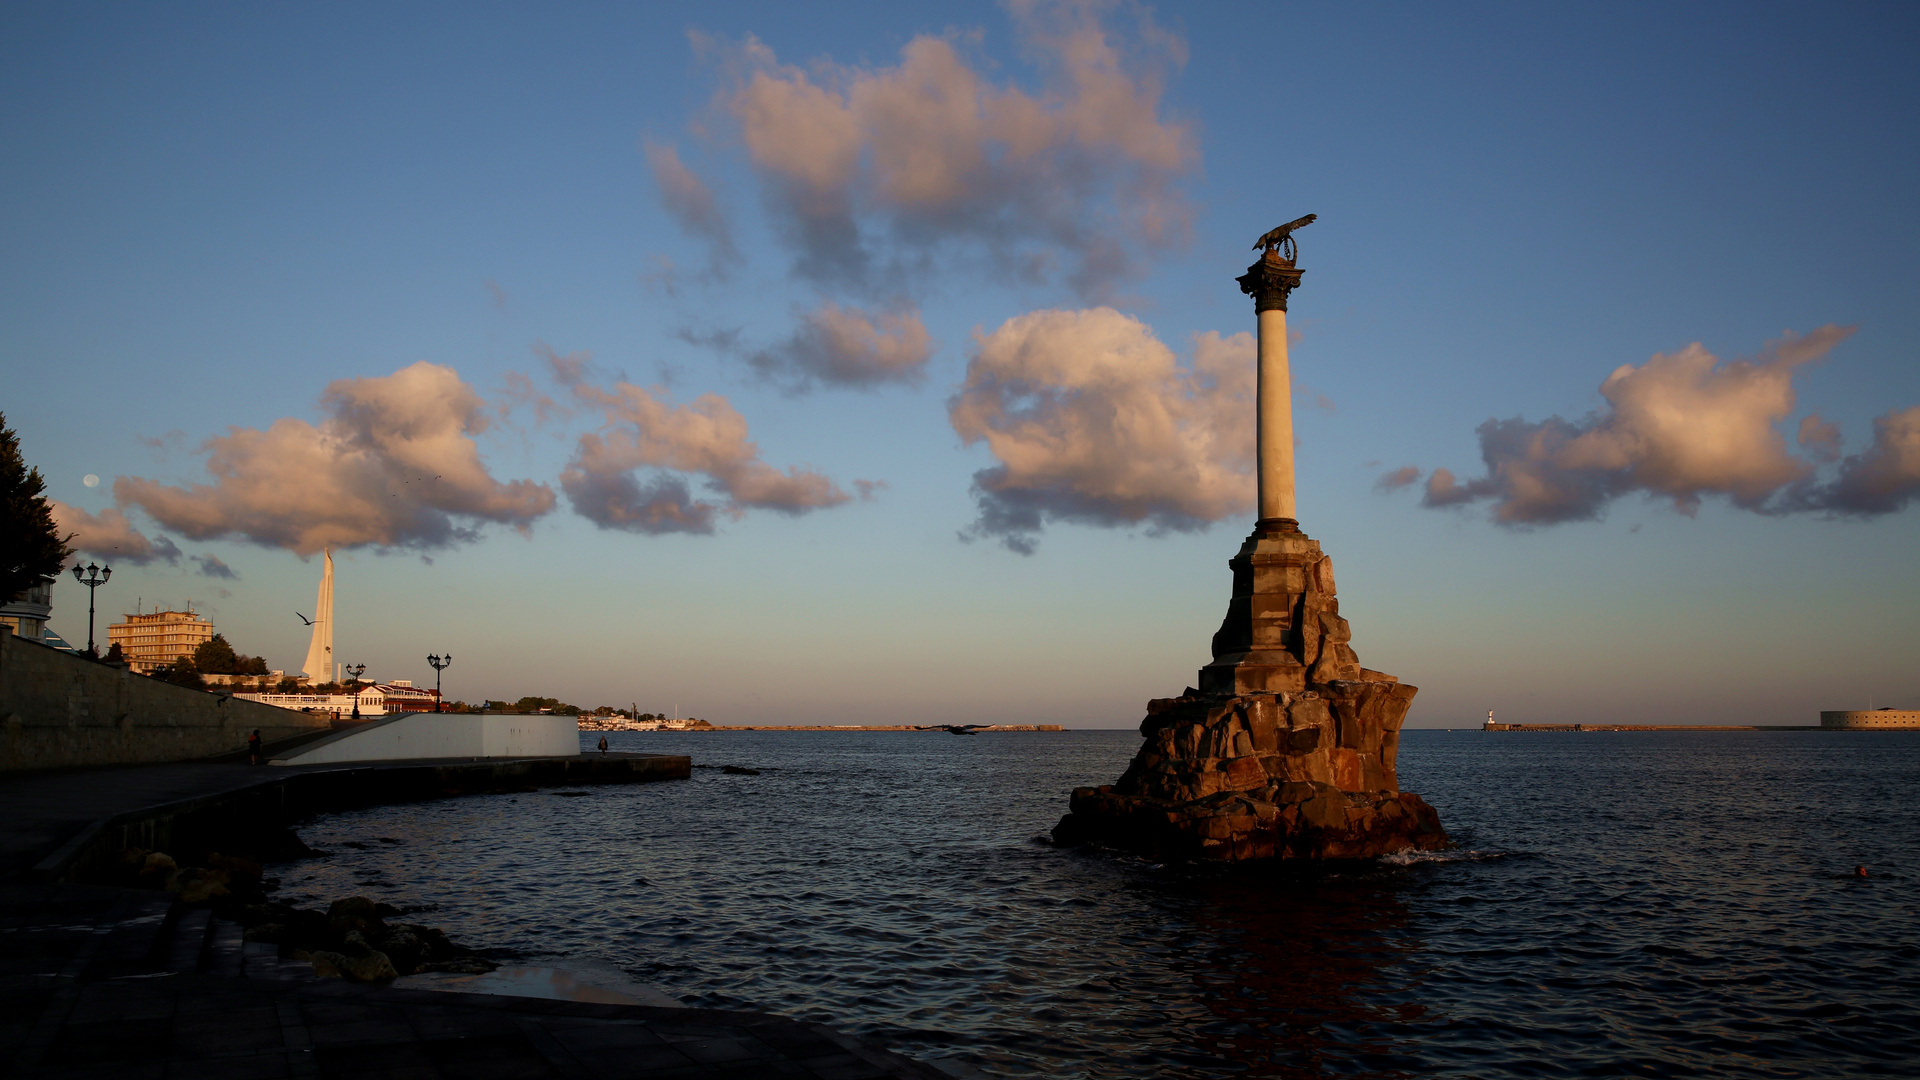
(1283, 231)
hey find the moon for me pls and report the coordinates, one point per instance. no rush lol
(91, 480)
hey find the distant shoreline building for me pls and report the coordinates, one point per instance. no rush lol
(156, 639)
(375, 700)
(28, 615)
(1869, 719)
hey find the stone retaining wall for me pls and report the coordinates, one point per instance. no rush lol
(58, 711)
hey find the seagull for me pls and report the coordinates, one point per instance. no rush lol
(304, 619)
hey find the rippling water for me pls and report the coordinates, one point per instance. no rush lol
(1622, 904)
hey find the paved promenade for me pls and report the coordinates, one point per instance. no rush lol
(45, 810)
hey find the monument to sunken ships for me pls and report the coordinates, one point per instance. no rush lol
(1286, 749)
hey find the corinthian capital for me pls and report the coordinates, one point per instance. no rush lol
(1269, 281)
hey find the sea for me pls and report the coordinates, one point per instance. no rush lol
(1617, 904)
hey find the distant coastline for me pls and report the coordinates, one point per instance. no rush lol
(1647, 727)
(953, 728)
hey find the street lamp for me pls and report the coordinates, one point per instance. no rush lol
(93, 578)
(440, 663)
(356, 670)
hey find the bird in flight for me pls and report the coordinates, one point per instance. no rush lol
(304, 619)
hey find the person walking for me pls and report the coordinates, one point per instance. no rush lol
(253, 747)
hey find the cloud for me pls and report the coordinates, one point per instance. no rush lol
(1819, 438)
(872, 172)
(1093, 421)
(1400, 477)
(1683, 426)
(393, 464)
(109, 535)
(849, 347)
(1884, 478)
(707, 438)
(692, 203)
(212, 566)
(495, 294)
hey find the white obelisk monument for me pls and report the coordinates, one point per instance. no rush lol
(319, 666)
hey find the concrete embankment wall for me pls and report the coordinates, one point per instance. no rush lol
(60, 711)
(414, 736)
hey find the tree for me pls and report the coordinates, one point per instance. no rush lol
(181, 673)
(215, 657)
(31, 547)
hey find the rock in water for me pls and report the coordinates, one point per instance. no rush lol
(1286, 752)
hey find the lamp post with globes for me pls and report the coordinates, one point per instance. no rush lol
(92, 578)
(356, 670)
(440, 663)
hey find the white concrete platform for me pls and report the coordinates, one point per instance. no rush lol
(415, 736)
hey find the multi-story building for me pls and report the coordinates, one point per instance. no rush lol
(28, 615)
(156, 639)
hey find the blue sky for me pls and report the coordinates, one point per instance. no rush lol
(212, 214)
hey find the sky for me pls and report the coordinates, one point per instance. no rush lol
(883, 363)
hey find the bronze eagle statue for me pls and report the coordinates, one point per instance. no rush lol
(1282, 237)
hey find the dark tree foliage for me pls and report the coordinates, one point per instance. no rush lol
(181, 673)
(215, 656)
(31, 547)
(535, 704)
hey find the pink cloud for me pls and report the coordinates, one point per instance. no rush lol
(707, 438)
(1092, 420)
(850, 347)
(1683, 426)
(109, 535)
(872, 172)
(393, 464)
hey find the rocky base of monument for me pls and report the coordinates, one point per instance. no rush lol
(1234, 777)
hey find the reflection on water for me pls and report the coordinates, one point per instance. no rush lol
(1302, 975)
(588, 982)
(1624, 904)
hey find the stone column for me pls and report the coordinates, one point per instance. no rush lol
(1276, 419)
(1269, 281)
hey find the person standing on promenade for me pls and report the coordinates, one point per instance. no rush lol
(253, 747)
(603, 744)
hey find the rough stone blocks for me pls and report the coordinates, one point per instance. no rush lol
(1287, 748)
